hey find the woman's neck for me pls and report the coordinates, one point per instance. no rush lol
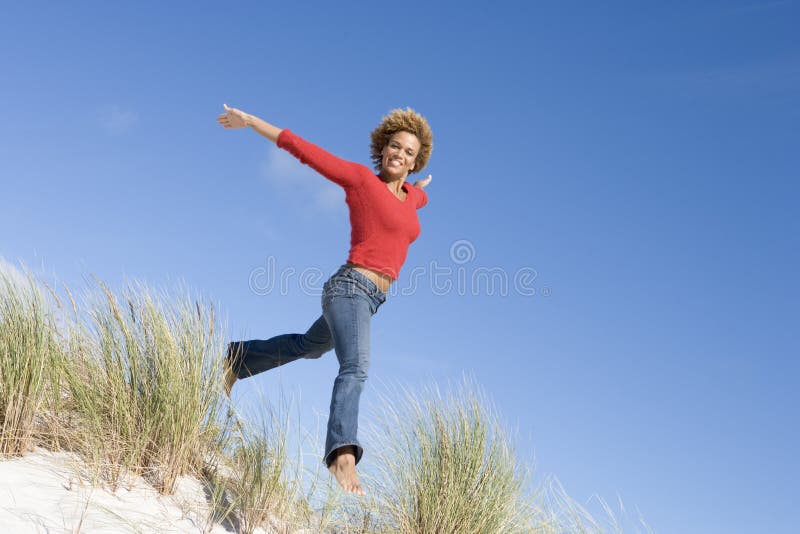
(394, 184)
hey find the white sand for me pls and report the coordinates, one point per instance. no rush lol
(44, 492)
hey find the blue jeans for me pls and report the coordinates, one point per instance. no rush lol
(349, 300)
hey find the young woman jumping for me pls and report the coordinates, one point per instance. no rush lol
(383, 218)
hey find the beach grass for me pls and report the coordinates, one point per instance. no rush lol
(445, 463)
(28, 351)
(143, 378)
(256, 472)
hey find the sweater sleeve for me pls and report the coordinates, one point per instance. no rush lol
(345, 173)
(422, 197)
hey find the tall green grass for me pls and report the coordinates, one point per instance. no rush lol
(254, 475)
(28, 351)
(445, 463)
(144, 377)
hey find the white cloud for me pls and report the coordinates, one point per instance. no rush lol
(284, 171)
(115, 120)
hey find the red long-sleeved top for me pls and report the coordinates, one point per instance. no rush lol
(382, 225)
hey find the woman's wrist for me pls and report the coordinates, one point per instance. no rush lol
(262, 127)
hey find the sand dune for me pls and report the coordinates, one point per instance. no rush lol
(50, 492)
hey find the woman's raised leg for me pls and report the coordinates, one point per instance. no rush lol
(248, 358)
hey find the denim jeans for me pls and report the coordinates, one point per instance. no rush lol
(349, 300)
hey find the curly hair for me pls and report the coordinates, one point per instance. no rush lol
(399, 120)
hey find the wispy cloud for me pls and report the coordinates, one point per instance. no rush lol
(116, 120)
(283, 171)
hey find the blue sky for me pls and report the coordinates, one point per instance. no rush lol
(640, 159)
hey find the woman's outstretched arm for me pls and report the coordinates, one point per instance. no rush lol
(342, 172)
(236, 118)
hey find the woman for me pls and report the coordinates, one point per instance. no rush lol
(383, 223)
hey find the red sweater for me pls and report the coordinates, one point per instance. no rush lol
(382, 225)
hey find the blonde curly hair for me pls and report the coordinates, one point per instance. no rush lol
(399, 120)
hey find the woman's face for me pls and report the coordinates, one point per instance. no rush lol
(399, 155)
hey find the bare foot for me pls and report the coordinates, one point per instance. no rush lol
(343, 468)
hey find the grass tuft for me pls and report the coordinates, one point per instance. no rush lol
(445, 464)
(144, 377)
(28, 351)
(256, 483)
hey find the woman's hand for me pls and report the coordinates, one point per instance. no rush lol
(236, 118)
(233, 118)
(423, 183)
